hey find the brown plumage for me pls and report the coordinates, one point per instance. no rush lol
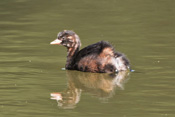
(99, 57)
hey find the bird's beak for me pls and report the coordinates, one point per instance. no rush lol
(56, 96)
(56, 42)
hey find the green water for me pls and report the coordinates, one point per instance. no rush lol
(31, 69)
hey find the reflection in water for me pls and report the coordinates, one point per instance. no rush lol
(99, 85)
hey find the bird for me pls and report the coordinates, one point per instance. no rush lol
(99, 57)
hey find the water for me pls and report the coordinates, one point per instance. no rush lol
(31, 69)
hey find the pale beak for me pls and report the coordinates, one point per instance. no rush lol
(56, 96)
(56, 42)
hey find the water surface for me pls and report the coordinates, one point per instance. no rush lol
(30, 68)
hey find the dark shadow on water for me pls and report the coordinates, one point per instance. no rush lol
(100, 85)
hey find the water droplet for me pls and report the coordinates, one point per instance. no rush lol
(63, 68)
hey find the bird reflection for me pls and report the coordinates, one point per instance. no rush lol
(100, 85)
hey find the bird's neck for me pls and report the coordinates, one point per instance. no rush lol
(72, 52)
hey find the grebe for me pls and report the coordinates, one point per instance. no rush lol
(99, 57)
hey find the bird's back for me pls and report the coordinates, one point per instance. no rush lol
(98, 57)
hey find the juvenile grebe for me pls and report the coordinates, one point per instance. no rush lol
(99, 57)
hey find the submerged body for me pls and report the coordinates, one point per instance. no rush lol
(99, 57)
